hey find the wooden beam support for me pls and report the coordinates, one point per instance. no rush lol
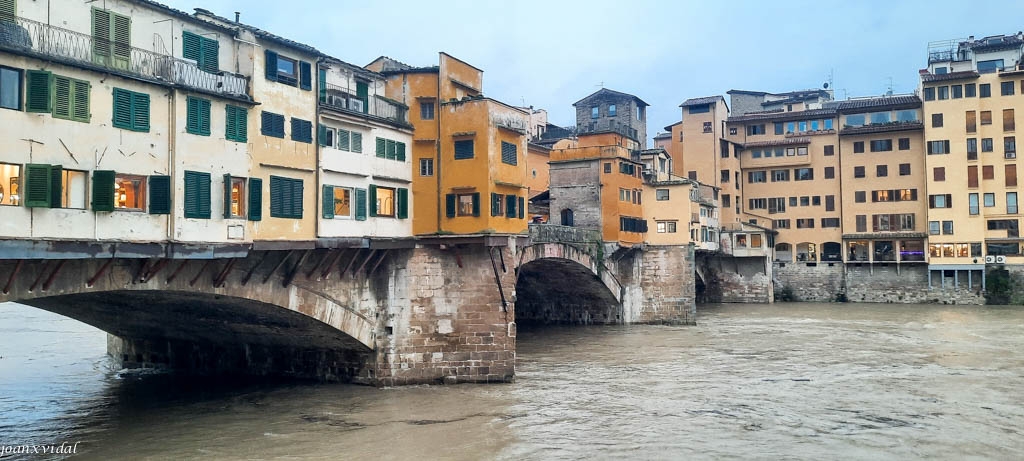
(223, 276)
(295, 270)
(53, 275)
(177, 271)
(350, 263)
(327, 270)
(248, 275)
(373, 268)
(142, 270)
(316, 267)
(201, 270)
(13, 276)
(278, 266)
(99, 273)
(361, 266)
(153, 271)
(39, 278)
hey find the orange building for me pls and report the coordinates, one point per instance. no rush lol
(468, 151)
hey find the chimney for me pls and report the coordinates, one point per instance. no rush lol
(238, 15)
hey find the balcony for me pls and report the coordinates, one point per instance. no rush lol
(341, 99)
(27, 37)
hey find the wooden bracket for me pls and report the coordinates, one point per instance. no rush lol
(13, 276)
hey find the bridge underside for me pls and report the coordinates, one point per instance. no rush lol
(560, 291)
(200, 333)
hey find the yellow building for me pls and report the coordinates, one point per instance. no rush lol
(699, 154)
(468, 151)
(972, 91)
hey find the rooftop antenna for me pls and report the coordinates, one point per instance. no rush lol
(600, 84)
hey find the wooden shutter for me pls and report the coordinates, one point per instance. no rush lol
(305, 76)
(373, 200)
(100, 35)
(1008, 121)
(192, 115)
(276, 196)
(122, 108)
(400, 151)
(204, 195)
(191, 194)
(343, 140)
(80, 90)
(972, 121)
(191, 47)
(321, 83)
(357, 142)
(227, 196)
(8, 10)
(403, 203)
(449, 205)
(56, 186)
(390, 150)
(159, 195)
(495, 204)
(230, 124)
(1011, 175)
(988, 172)
(204, 117)
(476, 204)
(297, 192)
(381, 147)
(140, 112)
(103, 190)
(122, 39)
(362, 92)
(38, 89)
(210, 52)
(37, 186)
(255, 208)
(61, 97)
(510, 206)
(328, 202)
(241, 124)
(360, 204)
(270, 67)
(972, 176)
(522, 210)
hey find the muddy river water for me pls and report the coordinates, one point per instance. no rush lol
(785, 381)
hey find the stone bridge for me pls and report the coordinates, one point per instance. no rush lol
(426, 310)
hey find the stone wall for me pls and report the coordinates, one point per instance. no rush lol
(870, 284)
(736, 280)
(665, 288)
(820, 283)
(576, 186)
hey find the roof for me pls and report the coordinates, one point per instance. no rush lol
(782, 116)
(965, 74)
(887, 102)
(180, 14)
(701, 101)
(669, 128)
(882, 128)
(663, 135)
(352, 67)
(260, 33)
(753, 93)
(796, 141)
(994, 43)
(606, 93)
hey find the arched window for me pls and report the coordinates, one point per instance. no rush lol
(832, 251)
(784, 252)
(567, 217)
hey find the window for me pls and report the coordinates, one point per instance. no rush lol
(984, 90)
(986, 117)
(286, 70)
(969, 90)
(202, 50)
(73, 188)
(777, 205)
(756, 177)
(707, 127)
(829, 222)
(197, 195)
(793, 201)
(947, 227)
(467, 204)
(285, 197)
(929, 94)
(801, 151)
(341, 202)
(197, 118)
(858, 147)
(904, 169)
(904, 143)
(272, 124)
(988, 172)
(881, 145)
(990, 199)
(938, 147)
(611, 110)
(1010, 175)
(972, 148)
(974, 206)
(790, 152)
(10, 88)
(780, 224)
(757, 154)
(972, 176)
(1008, 120)
(934, 228)
(780, 175)
(698, 109)
(940, 201)
(805, 201)
(803, 174)
(382, 201)
(302, 130)
(608, 167)
(661, 195)
(828, 124)
(1011, 202)
(236, 124)
(129, 192)
(958, 91)
(881, 171)
(986, 144)
(594, 112)
(830, 203)
(830, 172)
(758, 203)
(464, 149)
(726, 201)
(111, 38)
(1010, 147)
(791, 127)
(667, 227)
(1007, 249)
(936, 120)
(805, 224)
(858, 172)
(131, 110)
(426, 167)
(234, 197)
(509, 153)
(732, 130)
(830, 150)
(1006, 88)
(971, 121)
(755, 130)
(779, 127)
(427, 110)
(943, 92)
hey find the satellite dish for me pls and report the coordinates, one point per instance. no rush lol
(826, 85)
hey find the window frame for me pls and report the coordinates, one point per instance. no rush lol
(119, 179)
(19, 91)
(426, 167)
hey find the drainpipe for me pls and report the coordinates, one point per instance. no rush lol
(318, 188)
(437, 145)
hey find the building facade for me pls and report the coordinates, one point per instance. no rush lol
(612, 111)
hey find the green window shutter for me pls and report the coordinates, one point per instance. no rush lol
(205, 196)
(56, 186)
(227, 196)
(100, 36)
(241, 124)
(276, 196)
(495, 204)
(255, 208)
(321, 83)
(390, 148)
(61, 97)
(122, 40)
(357, 142)
(192, 115)
(37, 185)
(103, 190)
(8, 10)
(204, 117)
(449, 205)
(510, 206)
(122, 108)
(522, 208)
(343, 140)
(38, 89)
(159, 195)
(210, 61)
(360, 204)
(305, 76)
(140, 112)
(297, 192)
(321, 135)
(363, 92)
(373, 200)
(403, 203)
(328, 202)
(191, 47)
(270, 65)
(80, 90)
(400, 151)
(381, 143)
(476, 204)
(191, 194)
(230, 124)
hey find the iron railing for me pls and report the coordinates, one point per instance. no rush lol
(35, 38)
(341, 99)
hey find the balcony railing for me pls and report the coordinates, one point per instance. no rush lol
(34, 38)
(340, 99)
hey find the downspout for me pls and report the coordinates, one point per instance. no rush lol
(318, 189)
(172, 127)
(437, 145)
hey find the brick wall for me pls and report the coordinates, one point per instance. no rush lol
(821, 283)
(666, 284)
(883, 284)
(736, 280)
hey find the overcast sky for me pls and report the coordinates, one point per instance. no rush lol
(551, 53)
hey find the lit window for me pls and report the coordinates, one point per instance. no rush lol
(10, 184)
(129, 192)
(237, 198)
(343, 202)
(386, 202)
(465, 204)
(73, 189)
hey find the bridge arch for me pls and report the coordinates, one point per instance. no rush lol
(561, 283)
